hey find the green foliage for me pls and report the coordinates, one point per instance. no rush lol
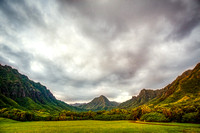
(136, 113)
(154, 117)
(7, 102)
(159, 115)
(191, 117)
(29, 103)
(16, 114)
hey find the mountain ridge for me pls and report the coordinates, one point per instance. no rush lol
(172, 93)
(18, 91)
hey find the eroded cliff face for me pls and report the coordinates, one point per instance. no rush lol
(19, 89)
(15, 85)
(144, 96)
(187, 84)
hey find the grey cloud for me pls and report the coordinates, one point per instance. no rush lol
(136, 44)
(20, 57)
(194, 47)
(106, 20)
(20, 14)
(72, 97)
(189, 19)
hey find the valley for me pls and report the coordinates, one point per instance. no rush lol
(24, 101)
(100, 66)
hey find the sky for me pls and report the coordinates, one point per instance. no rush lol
(81, 49)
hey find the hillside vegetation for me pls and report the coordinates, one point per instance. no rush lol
(181, 92)
(18, 91)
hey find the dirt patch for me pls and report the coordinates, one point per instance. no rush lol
(139, 122)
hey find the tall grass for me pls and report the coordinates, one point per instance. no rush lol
(7, 125)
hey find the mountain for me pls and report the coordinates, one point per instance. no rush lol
(184, 90)
(77, 104)
(100, 103)
(18, 91)
(144, 96)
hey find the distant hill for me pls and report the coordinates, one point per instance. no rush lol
(184, 90)
(18, 91)
(77, 104)
(100, 103)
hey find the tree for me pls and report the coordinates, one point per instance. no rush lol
(145, 109)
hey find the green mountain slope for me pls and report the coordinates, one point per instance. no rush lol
(185, 90)
(99, 103)
(16, 90)
(143, 97)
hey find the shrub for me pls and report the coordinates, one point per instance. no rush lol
(103, 117)
(154, 117)
(190, 117)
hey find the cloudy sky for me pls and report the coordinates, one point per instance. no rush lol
(81, 49)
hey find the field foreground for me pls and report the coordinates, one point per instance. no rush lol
(7, 125)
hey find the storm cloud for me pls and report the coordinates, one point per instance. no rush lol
(81, 49)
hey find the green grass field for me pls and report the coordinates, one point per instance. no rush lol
(7, 125)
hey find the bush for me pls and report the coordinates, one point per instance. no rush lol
(154, 117)
(103, 117)
(190, 117)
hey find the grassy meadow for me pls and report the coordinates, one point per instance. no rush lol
(7, 125)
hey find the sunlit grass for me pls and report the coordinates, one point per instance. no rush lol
(7, 125)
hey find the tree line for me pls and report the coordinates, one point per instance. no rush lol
(143, 113)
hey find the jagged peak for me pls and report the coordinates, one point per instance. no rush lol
(144, 91)
(197, 66)
(102, 96)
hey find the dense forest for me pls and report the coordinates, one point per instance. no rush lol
(175, 114)
(24, 100)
